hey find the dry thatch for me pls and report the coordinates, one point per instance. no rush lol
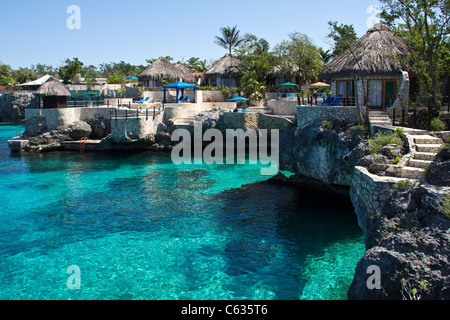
(188, 76)
(226, 67)
(162, 68)
(53, 88)
(376, 53)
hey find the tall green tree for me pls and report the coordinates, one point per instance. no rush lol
(299, 57)
(69, 71)
(425, 26)
(342, 35)
(325, 55)
(229, 39)
(6, 78)
(259, 62)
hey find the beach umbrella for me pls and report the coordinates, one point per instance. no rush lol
(238, 99)
(132, 78)
(288, 84)
(89, 93)
(319, 84)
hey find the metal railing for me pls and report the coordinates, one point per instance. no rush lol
(141, 113)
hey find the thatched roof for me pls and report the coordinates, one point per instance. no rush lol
(225, 67)
(162, 68)
(376, 53)
(53, 87)
(186, 69)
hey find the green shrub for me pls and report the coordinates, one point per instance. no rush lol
(437, 125)
(397, 160)
(327, 125)
(405, 184)
(446, 205)
(380, 140)
(359, 127)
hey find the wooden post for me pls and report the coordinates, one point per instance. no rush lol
(154, 112)
(146, 114)
(126, 115)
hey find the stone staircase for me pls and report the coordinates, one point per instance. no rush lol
(379, 118)
(426, 149)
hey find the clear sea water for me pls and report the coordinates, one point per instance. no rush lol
(139, 227)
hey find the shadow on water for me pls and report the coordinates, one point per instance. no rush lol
(272, 221)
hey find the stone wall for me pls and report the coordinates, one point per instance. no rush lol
(175, 111)
(368, 193)
(307, 115)
(282, 107)
(132, 130)
(42, 120)
(255, 121)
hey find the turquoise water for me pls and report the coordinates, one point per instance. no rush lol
(139, 227)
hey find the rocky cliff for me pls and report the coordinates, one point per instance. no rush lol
(12, 106)
(409, 241)
(322, 157)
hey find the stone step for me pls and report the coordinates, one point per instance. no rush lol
(416, 163)
(425, 156)
(425, 139)
(413, 173)
(428, 147)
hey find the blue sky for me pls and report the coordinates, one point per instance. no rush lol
(35, 31)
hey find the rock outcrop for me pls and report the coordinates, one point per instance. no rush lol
(13, 105)
(439, 171)
(325, 156)
(409, 240)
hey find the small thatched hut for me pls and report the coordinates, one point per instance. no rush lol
(186, 69)
(54, 94)
(372, 65)
(161, 68)
(223, 72)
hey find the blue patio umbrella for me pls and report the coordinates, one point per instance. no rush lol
(179, 86)
(132, 78)
(239, 99)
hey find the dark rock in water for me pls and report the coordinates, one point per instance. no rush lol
(13, 105)
(439, 171)
(410, 240)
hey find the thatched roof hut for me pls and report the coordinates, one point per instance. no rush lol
(54, 94)
(162, 68)
(226, 67)
(53, 87)
(376, 53)
(186, 69)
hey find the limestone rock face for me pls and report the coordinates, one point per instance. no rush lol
(78, 130)
(410, 240)
(327, 156)
(12, 106)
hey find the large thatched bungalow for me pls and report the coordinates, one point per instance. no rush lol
(162, 68)
(374, 63)
(224, 71)
(54, 94)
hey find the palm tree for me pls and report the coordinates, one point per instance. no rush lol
(229, 38)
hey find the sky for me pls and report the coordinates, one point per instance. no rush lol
(41, 31)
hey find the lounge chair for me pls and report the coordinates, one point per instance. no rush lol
(292, 96)
(283, 96)
(337, 101)
(244, 110)
(145, 100)
(140, 100)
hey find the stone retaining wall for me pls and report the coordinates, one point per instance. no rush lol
(368, 193)
(282, 107)
(309, 114)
